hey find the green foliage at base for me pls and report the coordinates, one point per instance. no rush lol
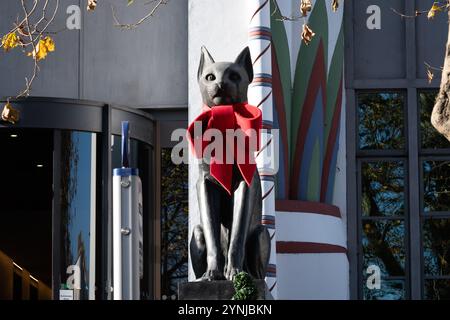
(244, 286)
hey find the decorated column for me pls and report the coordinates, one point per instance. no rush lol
(260, 95)
(309, 111)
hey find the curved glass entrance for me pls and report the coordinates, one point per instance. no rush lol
(26, 214)
(55, 209)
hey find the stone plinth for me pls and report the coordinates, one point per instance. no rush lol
(216, 290)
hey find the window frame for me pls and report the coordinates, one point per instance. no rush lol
(387, 155)
(383, 152)
(411, 82)
(414, 219)
(423, 152)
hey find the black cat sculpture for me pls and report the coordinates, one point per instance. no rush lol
(230, 237)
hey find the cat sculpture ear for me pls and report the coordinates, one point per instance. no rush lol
(245, 61)
(205, 60)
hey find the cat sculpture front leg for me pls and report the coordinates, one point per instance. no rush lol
(207, 236)
(246, 219)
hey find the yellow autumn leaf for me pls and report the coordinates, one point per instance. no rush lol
(92, 4)
(435, 8)
(10, 41)
(49, 44)
(430, 75)
(10, 114)
(307, 34)
(335, 5)
(305, 7)
(43, 47)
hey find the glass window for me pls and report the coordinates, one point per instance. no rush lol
(384, 186)
(77, 212)
(381, 121)
(430, 137)
(436, 185)
(437, 289)
(435, 203)
(384, 246)
(174, 224)
(436, 247)
(382, 194)
(26, 212)
(17, 286)
(34, 293)
(389, 290)
(383, 191)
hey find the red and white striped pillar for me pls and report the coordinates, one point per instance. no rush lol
(260, 95)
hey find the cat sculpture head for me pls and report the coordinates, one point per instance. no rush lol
(224, 83)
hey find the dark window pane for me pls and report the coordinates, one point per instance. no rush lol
(430, 137)
(26, 209)
(384, 246)
(381, 121)
(17, 286)
(383, 188)
(437, 290)
(78, 203)
(436, 246)
(436, 185)
(174, 224)
(390, 290)
(34, 294)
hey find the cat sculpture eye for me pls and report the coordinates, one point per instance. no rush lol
(210, 77)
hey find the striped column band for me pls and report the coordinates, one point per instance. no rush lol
(260, 95)
(311, 251)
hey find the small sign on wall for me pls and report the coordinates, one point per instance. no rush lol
(65, 294)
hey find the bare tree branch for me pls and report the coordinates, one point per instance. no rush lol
(31, 32)
(143, 19)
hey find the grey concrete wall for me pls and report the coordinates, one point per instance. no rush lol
(141, 67)
(381, 53)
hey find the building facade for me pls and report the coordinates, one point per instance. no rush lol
(357, 208)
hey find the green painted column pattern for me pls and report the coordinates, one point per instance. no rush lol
(307, 109)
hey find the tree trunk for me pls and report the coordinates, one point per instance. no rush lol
(440, 118)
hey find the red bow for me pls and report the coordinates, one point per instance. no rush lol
(238, 116)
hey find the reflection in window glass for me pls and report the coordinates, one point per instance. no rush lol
(430, 137)
(384, 246)
(383, 188)
(437, 289)
(381, 121)
(436, 247)
(78, 201)
(174, 224)
(390, 290)
(436, 185)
